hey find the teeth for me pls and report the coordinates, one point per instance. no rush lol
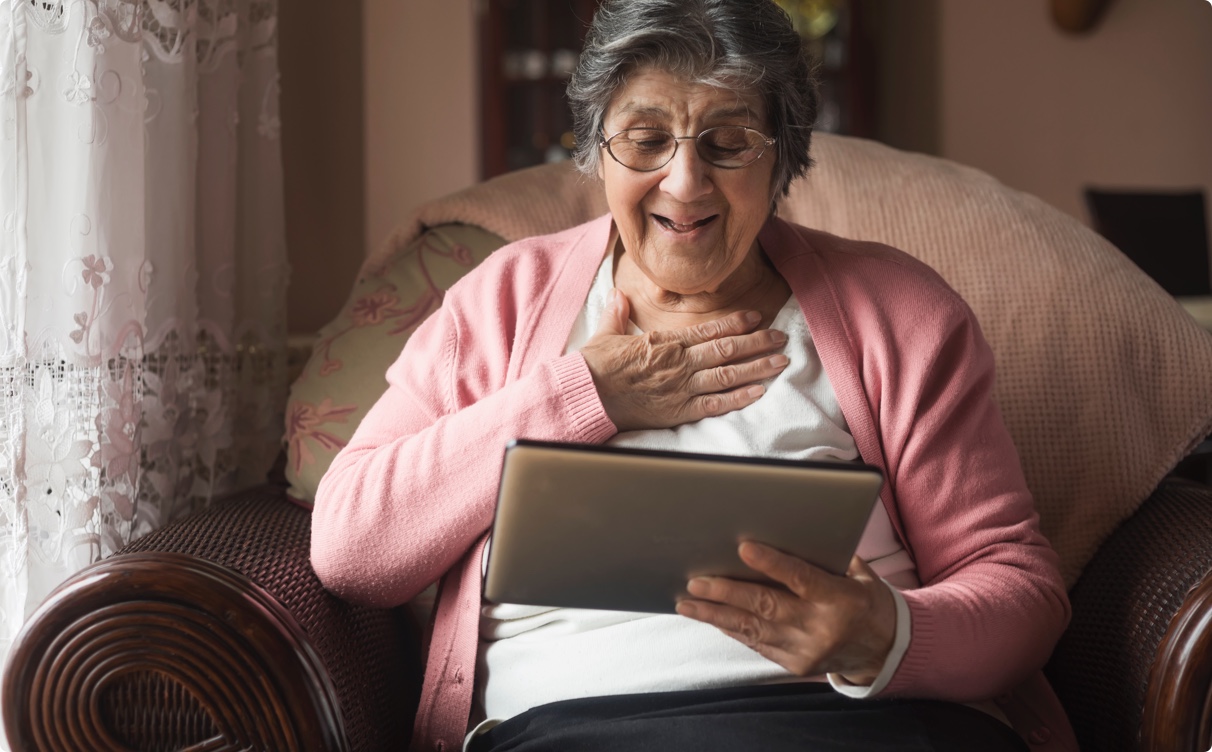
(677, 227)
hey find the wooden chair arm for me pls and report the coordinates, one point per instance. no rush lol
(212, 633)
(1134, 669)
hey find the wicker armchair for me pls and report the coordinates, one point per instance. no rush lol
(214, 633)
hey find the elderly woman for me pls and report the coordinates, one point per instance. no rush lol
(692, 318)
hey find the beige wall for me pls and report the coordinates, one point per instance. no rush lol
(421, 132)
(320, 59)
(992, 83)
(379, 110)
(1128, 105)
(378, 102)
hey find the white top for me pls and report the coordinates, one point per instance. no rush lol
(533, 655)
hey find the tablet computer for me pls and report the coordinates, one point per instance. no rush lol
(590, 526)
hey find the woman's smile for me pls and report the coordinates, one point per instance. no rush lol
(685, 229)
(690, 227)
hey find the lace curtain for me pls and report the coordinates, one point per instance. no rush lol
(142, 273)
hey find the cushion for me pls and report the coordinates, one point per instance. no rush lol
(1104, 381)
(346, 372)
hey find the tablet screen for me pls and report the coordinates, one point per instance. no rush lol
(590, 526)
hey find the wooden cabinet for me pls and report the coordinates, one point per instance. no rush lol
(840, 36)
(528, 48)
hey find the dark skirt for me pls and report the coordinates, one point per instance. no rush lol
(807, 717)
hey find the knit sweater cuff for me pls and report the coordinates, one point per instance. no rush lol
(584, 408)
(916, 662)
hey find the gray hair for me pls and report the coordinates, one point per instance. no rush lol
(744, 45)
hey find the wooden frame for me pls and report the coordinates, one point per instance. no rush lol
(1178, 702)
(193, 627)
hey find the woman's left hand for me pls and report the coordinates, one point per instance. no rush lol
(821, 624)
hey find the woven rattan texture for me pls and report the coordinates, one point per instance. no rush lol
(148, 711)
(371, 655)
(1122, 604)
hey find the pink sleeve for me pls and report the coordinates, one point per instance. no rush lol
(416, 485)
(992, 603)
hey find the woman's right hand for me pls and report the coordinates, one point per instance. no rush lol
(667, 378)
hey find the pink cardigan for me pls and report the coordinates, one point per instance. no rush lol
(411, 498)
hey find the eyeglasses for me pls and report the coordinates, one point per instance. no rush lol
(728, 146)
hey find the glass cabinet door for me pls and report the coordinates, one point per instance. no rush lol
(529, 48)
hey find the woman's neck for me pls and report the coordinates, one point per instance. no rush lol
(756, 285)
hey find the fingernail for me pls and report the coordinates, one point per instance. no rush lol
(752, 317)
(755, 391)
(686, 608)
(751, 550)
(778, 337)
(779, 361)
(697, 586)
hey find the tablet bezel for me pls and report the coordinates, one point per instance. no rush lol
(579, 569)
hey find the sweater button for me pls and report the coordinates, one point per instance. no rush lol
(1040, 736)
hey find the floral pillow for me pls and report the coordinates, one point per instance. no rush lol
(346, 372)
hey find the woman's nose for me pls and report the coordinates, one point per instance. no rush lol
(686, 177)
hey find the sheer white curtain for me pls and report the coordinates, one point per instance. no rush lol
(142, 273)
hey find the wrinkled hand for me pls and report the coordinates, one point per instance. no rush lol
(822, 624)
(667, 378)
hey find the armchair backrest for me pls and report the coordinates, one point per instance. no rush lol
(1104, 381)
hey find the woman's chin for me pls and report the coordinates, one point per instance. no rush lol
(672, 282)
(683, 269)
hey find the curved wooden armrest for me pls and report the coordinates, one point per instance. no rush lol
(1134, 669)
(212, 634)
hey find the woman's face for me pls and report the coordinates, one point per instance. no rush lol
(689, 225)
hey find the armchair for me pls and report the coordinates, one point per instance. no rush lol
(214, 634)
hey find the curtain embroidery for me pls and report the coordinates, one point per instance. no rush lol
(142, 296)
